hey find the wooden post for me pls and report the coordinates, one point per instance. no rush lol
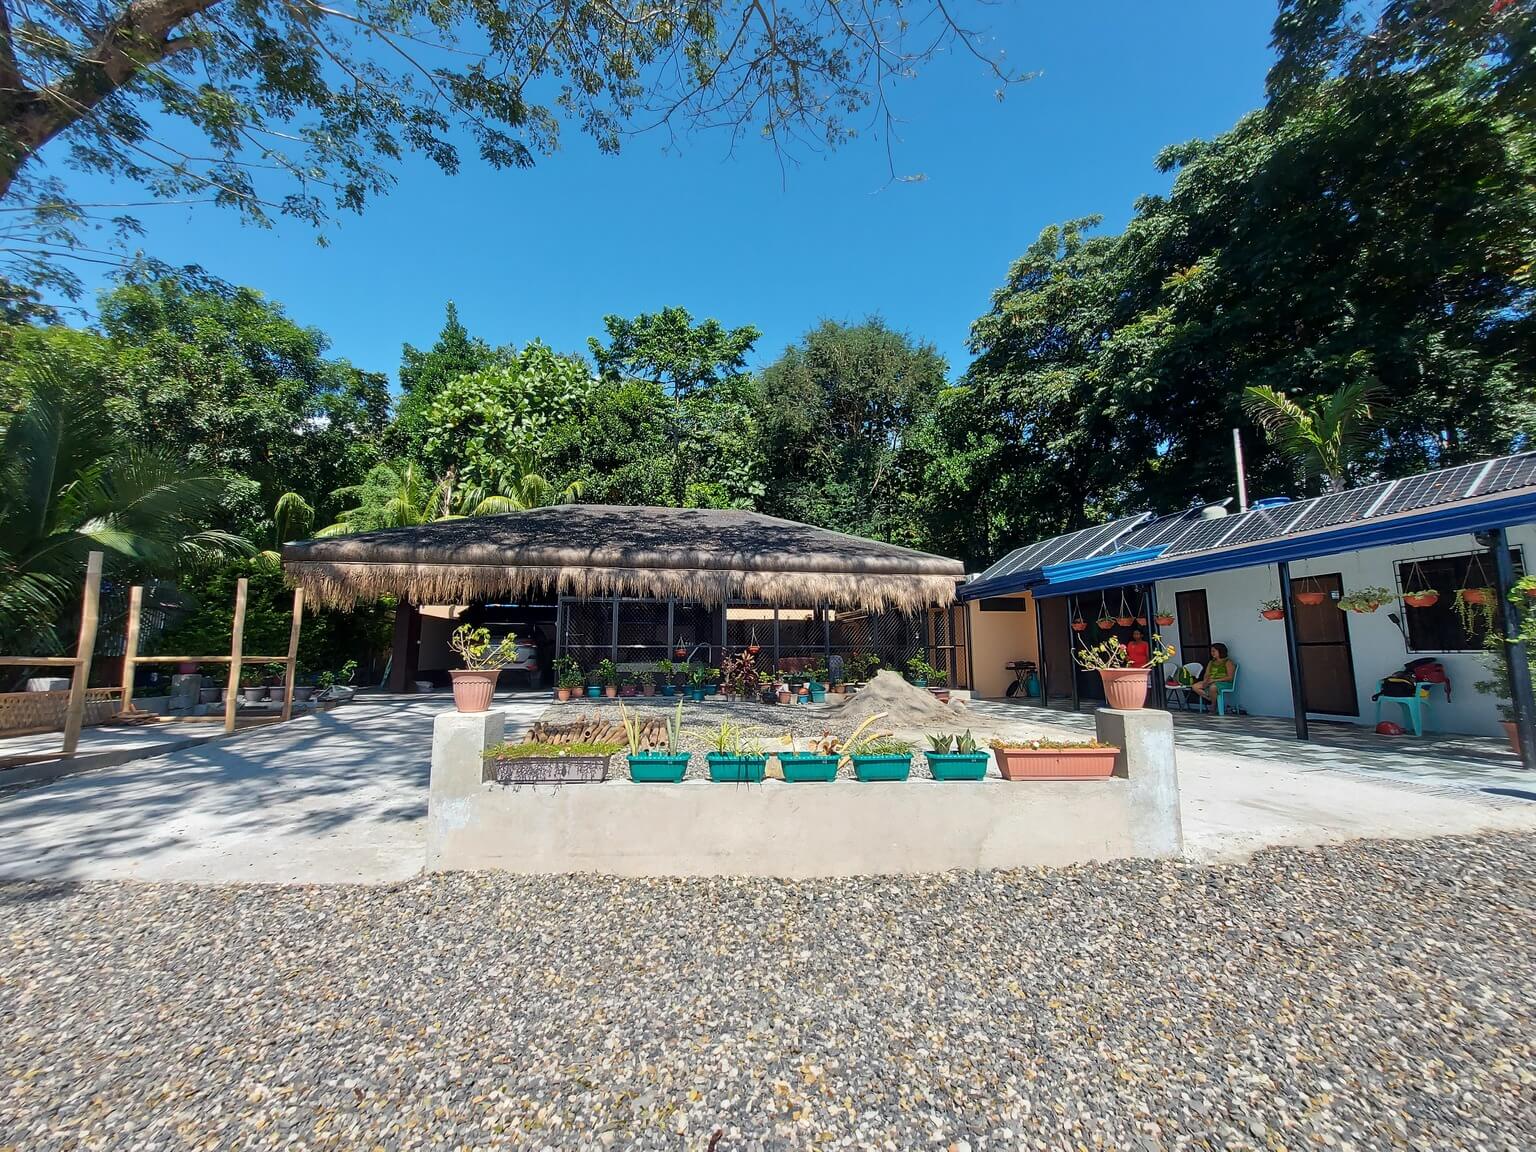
(131, 645)
(293, 651)
(90, 602)
(236, 647)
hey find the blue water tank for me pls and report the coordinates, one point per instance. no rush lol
(1269, 502)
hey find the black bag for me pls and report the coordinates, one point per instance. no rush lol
(1397, 684)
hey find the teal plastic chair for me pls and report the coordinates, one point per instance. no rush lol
(1414, 707)
(1229, 689)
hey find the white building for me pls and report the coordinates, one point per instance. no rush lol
(1211, 568)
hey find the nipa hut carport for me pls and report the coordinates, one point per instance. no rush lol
(681, 574)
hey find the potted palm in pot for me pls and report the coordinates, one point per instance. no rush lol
(608, 677)
(1125, 684)
(475, 683)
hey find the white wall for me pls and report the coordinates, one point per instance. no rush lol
(1377, 647)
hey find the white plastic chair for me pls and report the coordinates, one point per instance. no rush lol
(1182, 694)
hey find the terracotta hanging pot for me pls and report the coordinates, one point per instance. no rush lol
(1273, 613)
(1125, 621)
(1141, 621)
(1474, 596)
(1079, 625)
(1164, 619)
(1425, 599)
(1311, 599)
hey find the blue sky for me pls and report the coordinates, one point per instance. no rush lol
(546, 253)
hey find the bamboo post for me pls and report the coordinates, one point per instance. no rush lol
(90, 602)
(293, 652)
(236, 644)
(131, 645)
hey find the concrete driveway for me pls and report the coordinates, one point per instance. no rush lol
(339, 796)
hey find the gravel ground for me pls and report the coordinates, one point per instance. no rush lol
(1371, 996)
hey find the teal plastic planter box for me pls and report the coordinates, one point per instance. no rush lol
(818, 694)
(711, 689)
(696, 694)
(658, 767)
(594, 690)
(669, 689)
(873, 768)
(957, 765)
(725, 769)
(808, 767)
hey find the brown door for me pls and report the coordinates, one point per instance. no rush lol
(1058, 648)
(1322, 645)
(1194, 629)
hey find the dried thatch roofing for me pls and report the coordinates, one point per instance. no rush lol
(697, 554)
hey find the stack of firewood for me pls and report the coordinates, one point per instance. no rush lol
(596, 730)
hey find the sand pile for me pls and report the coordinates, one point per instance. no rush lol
(906, 707)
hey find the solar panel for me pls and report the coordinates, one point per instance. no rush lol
(1432, 488)
(1205, 534)
(1340, 508)
(1077, 545)
(1510, 473)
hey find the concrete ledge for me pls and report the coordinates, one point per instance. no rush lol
(845, 828)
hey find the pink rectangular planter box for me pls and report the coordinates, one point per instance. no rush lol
(1056, 763)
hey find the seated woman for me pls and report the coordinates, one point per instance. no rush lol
(1220, 671)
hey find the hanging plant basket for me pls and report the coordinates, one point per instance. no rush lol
(1079, 625)
(1141, 621)
(1273, 613)
(1426, 599)
(1476, 596)
(1311, 599)
(1107, 623)
(1125, 621)
(1164, 619)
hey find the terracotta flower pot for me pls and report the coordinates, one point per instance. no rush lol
(610, 690)
(1273, 613)
(563, 693)
(1079, 625)
(1421, 599)
(1164, 619)
(1474, 596)
(1125, 621)
(1107, 624)
(784, 697)
(1125, 688)
(1311, 599)
(1056, 763)
(1141, 621)
(473, 688)
(648, 690)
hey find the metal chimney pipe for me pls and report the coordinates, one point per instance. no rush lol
(1242, 472)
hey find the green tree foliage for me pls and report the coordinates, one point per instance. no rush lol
(619, 445)
(1326, 436)
(394, 494)
(835, 412)
(69, 485)
(668, 348)
(1373, 221)
(424, 374)
(303, 110)
(230, 384)
(480, 421)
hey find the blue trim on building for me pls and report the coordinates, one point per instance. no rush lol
(1135, 568)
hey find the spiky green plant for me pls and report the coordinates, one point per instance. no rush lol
(1323, 436)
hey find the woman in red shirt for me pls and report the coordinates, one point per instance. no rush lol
(1138, 652)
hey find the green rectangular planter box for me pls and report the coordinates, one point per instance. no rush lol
(658, 767)
(873, 768)
(957, 765)
(725, 769)
(808, 767)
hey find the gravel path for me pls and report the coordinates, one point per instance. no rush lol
(1371, 996)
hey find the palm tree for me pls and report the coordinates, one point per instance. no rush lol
(394, 494)
(519, 486)
(68, 487)
(1325, 435)
(292, 519)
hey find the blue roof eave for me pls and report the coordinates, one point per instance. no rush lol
(1478, 516)
(1030, 578)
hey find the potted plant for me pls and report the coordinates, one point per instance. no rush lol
(881, 758)
(679, 653)
(568, 678)
(594, 687)
(475, 683)
(647, 680)
(1364, 600)
(1164, 619)
(1310, 594)
(697, 678)
(1418, 593)
(955, 757)
(1055, 759)
(1078, 623)
(1272, 609)
(817, 764)
(919, 671)
(1125, 617)
(654, 765)
(785, 696)
(1125, 684)
(735, 757)
(542, 762)
(711, 681)
(251, 686)
(627, 686)
(666, 673)
(608, 676)
(1474, 610)
(305, 691)
(1106, 623)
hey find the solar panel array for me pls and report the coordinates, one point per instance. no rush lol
(1077, 545)
(1187, 532)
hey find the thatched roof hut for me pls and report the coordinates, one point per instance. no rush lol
(698, 554)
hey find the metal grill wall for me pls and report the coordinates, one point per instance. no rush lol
(641, 632)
